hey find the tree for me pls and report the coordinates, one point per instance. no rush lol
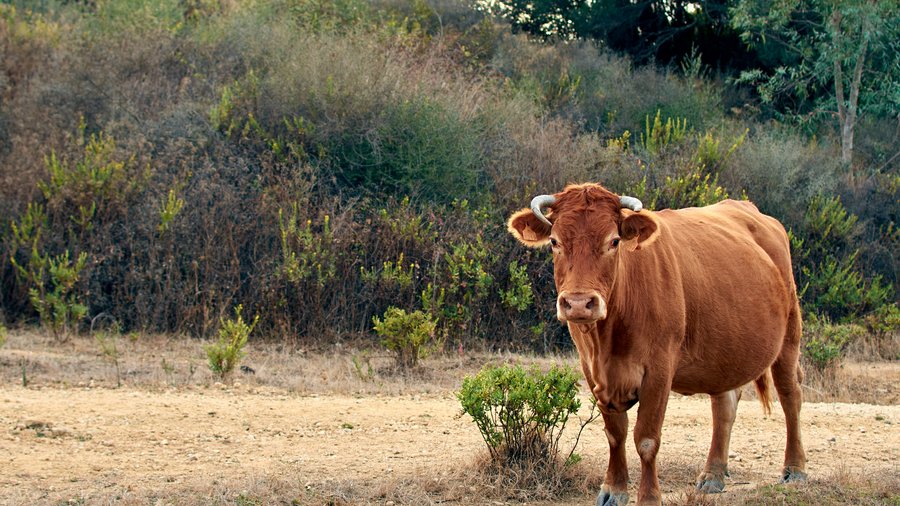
(650, 31)
(842, 56)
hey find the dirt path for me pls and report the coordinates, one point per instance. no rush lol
(93, 445)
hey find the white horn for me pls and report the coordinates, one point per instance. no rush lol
(631, 203)
(539, 202)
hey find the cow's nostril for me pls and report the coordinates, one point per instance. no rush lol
(566, 302)
(590, 304)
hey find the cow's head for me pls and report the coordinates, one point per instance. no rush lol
(588, 228)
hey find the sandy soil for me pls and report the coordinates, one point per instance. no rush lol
(96, 445)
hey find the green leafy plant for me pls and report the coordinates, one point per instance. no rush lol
(224, 355)
(52, 283)
(168, 210)
(307, 253)
(657, 136)
(825, 343)
(829, 281)
(519, 296)
(96, 184)
(521, 413)
(410, 336)
(2, 335)
(391, 273)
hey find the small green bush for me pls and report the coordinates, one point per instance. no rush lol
(520, 295)
(657, 136)
(825, 343)
(884, 320)
(830, 281)
(408, 335)
(2, 335)
(521, 413)
(224, 355)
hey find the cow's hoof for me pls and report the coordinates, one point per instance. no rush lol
(711, 483)
(609, 498)
(792, 475)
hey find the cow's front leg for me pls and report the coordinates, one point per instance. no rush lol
(614, 491)
(724, 409)
(654, 397)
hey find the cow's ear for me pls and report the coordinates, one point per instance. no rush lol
(641, 226)
(528, 229)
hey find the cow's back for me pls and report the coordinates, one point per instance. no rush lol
(735, 272)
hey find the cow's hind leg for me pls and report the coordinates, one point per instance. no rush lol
(724, 409)
(787, 375)
(614, 491)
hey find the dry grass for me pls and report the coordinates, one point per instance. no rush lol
(80, 362)
(161, 362)
(479, 484)
(867, 382)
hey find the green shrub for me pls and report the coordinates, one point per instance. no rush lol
(829, 280)
(520, 295)
(51, 281)
(883, 325)
(836, 288)
(692, 188)
(168, 210)
(307, 253)
(224, 355)
(521, 413)
(657, 136)
(420, 146)
(884, 320)
(410, 336)
(824, 343)
(2, 335)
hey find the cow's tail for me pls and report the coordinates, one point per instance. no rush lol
(764, 391)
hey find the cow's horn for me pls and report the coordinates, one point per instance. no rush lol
(539, 202)
(631, 203)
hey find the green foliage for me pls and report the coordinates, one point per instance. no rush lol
(519, 296)
(521, 413)
(421, 146)
(410, 336)
(884, 321)
(380, 115)
(97, 183)
(824, 343)
(223, 356)
(828, 223)
(829, 280)
(391, 273)
(837, 56)
(2, 335)
(307, 253)
(693, 188)
(464, 281)
(836, 288)
(406, 225)
(51, 281)
(657, 136)
(168, 210)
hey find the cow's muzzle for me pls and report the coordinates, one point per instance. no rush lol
(580, 307)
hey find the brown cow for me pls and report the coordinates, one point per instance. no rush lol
(698, 300)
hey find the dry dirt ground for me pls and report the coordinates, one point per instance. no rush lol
(71, 442)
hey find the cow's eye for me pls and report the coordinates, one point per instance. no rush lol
(554, 242)
(614, 243)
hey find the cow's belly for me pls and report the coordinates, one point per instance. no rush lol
(735, 326)
(726, 366)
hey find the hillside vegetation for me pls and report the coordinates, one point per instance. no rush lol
(318, 162)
